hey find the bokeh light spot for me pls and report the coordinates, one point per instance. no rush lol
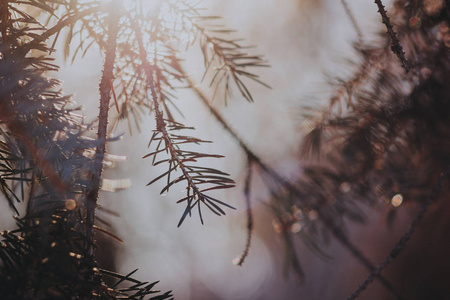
(397, 200)
(345, 187)
(415, 22)
(70, 204)
(296, 227)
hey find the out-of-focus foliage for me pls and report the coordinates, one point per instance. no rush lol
(382, 139)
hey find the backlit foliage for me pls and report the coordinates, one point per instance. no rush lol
(53, 161)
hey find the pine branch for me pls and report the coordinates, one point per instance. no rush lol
(105, 97)
(45, 146)
(157, 34)
(231, 60)
(61, 263)
(194, 176)
(227, 57)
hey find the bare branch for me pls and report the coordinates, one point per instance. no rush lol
(247, 195)
(395, 47)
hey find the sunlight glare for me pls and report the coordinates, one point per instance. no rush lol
(166, 13)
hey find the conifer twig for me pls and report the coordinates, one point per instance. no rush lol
(395, 46)
(248, 180)
(105, 97)
(178, 159)
(396, 250)
(233, 62)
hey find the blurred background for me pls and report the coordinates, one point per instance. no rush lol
(307, 43)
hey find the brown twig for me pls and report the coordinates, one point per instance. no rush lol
(395, 46)
(105, 97)
(248, 180)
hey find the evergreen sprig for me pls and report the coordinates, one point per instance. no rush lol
(46, 162)
(231, 59)
(178, 157)
(226, 60)
(199, 179)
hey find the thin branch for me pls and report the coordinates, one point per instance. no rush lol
(395, 46)
(248, 179)
(160, 123)
(405, 238)
(351, 16)
(105, 97)
(360, 256)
